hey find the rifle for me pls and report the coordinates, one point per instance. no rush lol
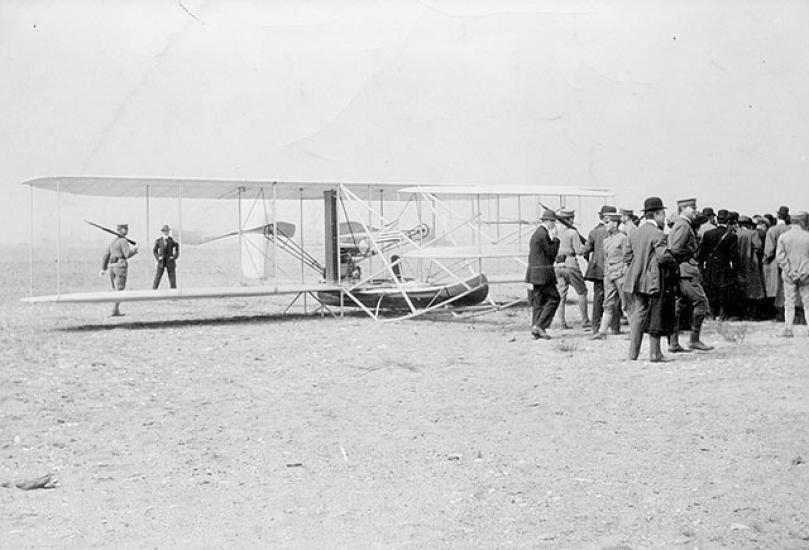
(566, 224)
(108, 230)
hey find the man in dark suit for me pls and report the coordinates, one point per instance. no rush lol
(166, 251)
(540, 274)
(649, 278)
(718, 258)
(593, 252)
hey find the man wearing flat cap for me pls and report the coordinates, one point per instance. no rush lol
(116, 260)
(718, 258)
(165, 251)
(651, 278)
(628, 225)
(773, 280)
(593, 251)
(540, 275)
(691, 296)
(568, 272)
(792, 256)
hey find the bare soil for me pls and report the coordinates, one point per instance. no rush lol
(228, 425)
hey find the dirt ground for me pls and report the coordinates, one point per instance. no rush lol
(226, 425)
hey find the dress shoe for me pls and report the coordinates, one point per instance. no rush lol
(598, 336)
(540, 334)
(659, 359)
(700, 346)
(677, 348)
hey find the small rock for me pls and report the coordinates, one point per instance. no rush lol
(798, 460)
(455, 457)
(739, 527)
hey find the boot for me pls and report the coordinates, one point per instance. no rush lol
(585, 319)
(674, 343)
(696, 329)
(655, 355)
(635, 339)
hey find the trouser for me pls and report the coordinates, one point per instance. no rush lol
(544, 301)
(691, 294)
(793, 293)
(598, 308)
(159, 275)
(565, 278)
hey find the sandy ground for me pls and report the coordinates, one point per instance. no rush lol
(225, 425)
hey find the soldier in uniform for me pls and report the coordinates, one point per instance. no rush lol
(649, 279)
(540, 274)
(568, 272)
(691, 295)
(116, 260)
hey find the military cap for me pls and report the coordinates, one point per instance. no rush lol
(682, 203)
(566, 213)
(626, 212)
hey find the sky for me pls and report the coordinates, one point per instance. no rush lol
(676, 99)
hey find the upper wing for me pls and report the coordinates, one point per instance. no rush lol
(459, 191)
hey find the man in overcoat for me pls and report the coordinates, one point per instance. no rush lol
(750, 281)
(691, 295)
(540, 274)
(166, 251)
(773, 282)
(718, 258)
(649, 279)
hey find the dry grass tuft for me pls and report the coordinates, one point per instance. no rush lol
(734, 334)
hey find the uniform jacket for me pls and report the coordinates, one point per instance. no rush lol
(646, 251)
(541, 257)
(792, 255)
(683, 246)
(166, 251)
(569, 246)
(117, 254)
(593, 252)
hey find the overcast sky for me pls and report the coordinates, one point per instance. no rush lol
(706, 99)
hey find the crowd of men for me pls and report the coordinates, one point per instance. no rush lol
(719, 264)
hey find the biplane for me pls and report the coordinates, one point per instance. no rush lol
(392, 250)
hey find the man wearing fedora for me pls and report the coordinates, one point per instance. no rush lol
(691, 295)
(116, 259)
(540, 274)
(708, 224)
(651, 278)
(568, 272)
(718, 258)
(593, 252)
(165, 251)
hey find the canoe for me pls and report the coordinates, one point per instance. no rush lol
(385, 294)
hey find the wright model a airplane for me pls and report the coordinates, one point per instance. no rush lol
(427, 255)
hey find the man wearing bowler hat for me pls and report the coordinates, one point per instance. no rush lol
(710, 222)
(116, 259)
(651, 278)
(165, 251)
(593, 251)
(540, 274)
(683, 246)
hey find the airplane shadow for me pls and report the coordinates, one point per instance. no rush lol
(273, 318)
